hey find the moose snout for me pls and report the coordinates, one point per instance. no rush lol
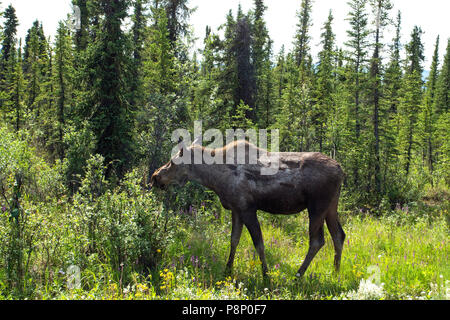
(153, 182)
(156, 182)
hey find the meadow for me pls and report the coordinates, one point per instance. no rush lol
(87, 115)
(120, 241)
(402, 257)
(402, 254)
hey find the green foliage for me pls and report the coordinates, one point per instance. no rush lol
(407, 249)
(105, 104)
(324, 83)
(295, 117)
(63, 78)
(85, 121)
(125, 227)
(240, 119)
(25, 179)
(123, 230)
(80, 145)
(442, 101)
(9, 36)
(302, 36)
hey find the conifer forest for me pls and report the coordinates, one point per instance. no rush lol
(87, 115)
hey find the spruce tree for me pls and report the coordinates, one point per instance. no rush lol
(82, 34)
(18, 89)
(295, 115)
(266, 85)
(156, 117)
(260, 55)
(63, 81)
(381, 10)
(442, 120)
(177, 14)
(8, 48)
(357, 79)
(13, 86)
(9, 38)
(442, 96)
(411, 97)
(324, 82)
(280, 78)
(392, 93)
(237, 81)
(36, 68)
(426, 116)
(302, 36)
(245, 68)
(393, 75)
(138, 33)
(105, 105)
(205, 104)
(35, 43)
(358, 45)
(159, 59)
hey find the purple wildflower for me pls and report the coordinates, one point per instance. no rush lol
(274, 241)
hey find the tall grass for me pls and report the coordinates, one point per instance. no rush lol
(402, 255)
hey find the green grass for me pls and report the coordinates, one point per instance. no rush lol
(409, 251)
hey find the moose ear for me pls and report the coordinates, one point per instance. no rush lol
(181, 146)
(197, 141)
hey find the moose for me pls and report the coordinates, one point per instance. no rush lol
(304, 180)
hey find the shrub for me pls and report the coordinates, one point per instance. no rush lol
(25, 180)
(124, 226)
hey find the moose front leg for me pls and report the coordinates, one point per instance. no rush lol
(251, 222)
(236, 231)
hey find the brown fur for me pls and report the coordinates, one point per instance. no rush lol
(307, 180)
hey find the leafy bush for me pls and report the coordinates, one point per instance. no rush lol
(25, 180)
(80, 145)
(124, 226)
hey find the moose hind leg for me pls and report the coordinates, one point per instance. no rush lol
(338, 236)
(253, 226)
(316, 242)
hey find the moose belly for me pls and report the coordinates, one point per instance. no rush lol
(285, 204)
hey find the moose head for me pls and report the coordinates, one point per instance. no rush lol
(175, 171)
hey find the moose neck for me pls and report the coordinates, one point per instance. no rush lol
(207, 175)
